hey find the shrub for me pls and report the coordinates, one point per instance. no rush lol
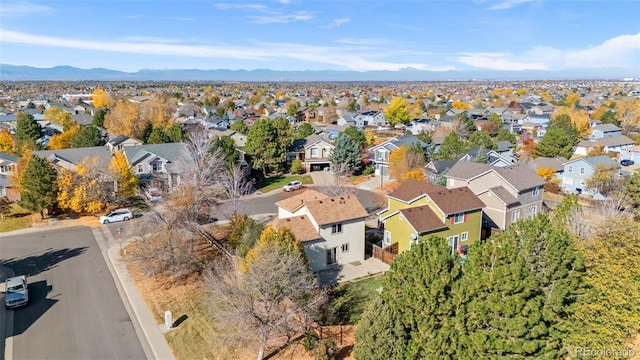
(296, 167)
(368, 170)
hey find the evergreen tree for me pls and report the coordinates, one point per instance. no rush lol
(564, 123)
(632, 187)
(505, 135)
(379, 335)
(39, 185)
(346, 154)
(174, 133)
(466, 126)
(87, 136)
(305, 129)
(425, 137)
(284, 138)
(452, 147)
(156, 136)
(227, 148)
(482, 139)
(356, 135)
(555, 142)
(28, 131)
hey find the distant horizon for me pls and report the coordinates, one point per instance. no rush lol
(323, 35)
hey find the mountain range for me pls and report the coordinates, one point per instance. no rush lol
(69, 73)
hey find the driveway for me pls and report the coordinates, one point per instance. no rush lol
(322, 178)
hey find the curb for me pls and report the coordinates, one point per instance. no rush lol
(143, 316)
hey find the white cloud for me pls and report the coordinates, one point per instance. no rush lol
(149, 39)
(622, 51)
(362, 41)
(10, 9)
(337, 22)
(227, 6)
(277, 18)
(507, 4)
(264, 52)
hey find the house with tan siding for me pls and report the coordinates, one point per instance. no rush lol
(330, 228)
(509, 193)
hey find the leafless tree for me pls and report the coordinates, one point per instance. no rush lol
(235, 185)
(617, 205)
(340, 182)
(274, 296)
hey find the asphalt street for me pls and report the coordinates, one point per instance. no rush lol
(75, 310)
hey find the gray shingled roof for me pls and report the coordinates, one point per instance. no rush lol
(518, 176)
(176, 154)
(607, 127)
(76, 155)
(504, 195)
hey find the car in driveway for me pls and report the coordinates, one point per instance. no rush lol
(627, 162)
(16, 292)
(116, 215)
(294, 185)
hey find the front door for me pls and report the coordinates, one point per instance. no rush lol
(332, 256)
(453, 242)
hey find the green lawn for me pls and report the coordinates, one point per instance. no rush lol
(18, 218)
(348, 300)
(277, 182)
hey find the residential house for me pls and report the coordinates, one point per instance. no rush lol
(556, 164)
(605, 130)
(509, 193)
(631, 153)
(417, 210)
(370, 118)
(330, 229)
(8, 165)
(505, 148)
(313, 151)
(335, 130)
(437, 168)
(577, 172)
(609, 144)
(416, 126)
(164, 162)
(120, 142)
(379, 154)
(492, 157)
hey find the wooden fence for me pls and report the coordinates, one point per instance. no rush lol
(386, 254)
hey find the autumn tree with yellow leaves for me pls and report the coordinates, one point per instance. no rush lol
(397, 111)
(101, 98)
(63, 140)
(579, 118)
(127, 182)
(407, 163)
(83, 190)
(549, 175)
(15, 177)
(124, 119)
(7, 142)
(627, 112)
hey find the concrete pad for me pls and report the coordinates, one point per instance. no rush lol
(352, 271)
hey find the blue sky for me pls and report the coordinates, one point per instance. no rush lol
(361, 35)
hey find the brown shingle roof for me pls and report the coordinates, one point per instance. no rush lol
(423, 219)
(300, 226)
(336, 209)
(450, 201)
(295, 202)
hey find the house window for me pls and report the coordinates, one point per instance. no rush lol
(453, 242)
(582, 183)
(314, 152)
(140, 168)
(536, 192)
(581, 171)
(458, 218)
(157, 167)
(464, 236)
(533, 210)
(387, 237)
(515, 215)
(570, 168)
(332, 256)
(336, 228)
(345, 247)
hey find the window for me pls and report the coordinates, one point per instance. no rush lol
(458, 218)
(570, 168)
(157, 167)
(581, 171)
(314, 152)
(387, 237)
(345, 247)
(532, 210)
(515, 215)
(140, 168)
(464, 236)
(336, 228)
(536, 192)
(582, 183)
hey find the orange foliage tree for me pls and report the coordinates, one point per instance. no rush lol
(7, 142)
(406, 163)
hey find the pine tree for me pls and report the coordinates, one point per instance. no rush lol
(261, 145)
(345, 157)
(357, 136)
(379, 335)
(555, 142)
(227, 148)
(452, 147)
(39, 185)
(87, 136)
(28, 131)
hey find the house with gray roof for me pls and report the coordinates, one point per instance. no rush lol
(165, 162)
(119, 142)
(604, 130)
(379, 154)
(509, 193)
(577, 172)
(610, 144)
(8, 165)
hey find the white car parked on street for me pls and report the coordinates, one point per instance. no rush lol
(294, 185)
(116, 215)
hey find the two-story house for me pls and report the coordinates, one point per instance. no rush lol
(417, 210)
(577, 172)
(8, 165)
(330, 229)
(165, 162)
(379, 154)
(600, 131)
(313, 151)
(509, 193)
